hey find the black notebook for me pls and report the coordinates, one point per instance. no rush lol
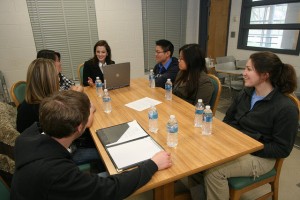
(128, 144)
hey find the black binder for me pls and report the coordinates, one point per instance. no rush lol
(112, 134)
(123, 151)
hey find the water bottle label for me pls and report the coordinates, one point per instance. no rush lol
(207, 118)
(173, 129)
(98, 84)
(168, 87)
(153, 115)
(106, 99)
(199, 112)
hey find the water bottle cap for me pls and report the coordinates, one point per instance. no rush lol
(105, 90)
(172, 116)
(199, 100)
(168, 79)
(97, 77)
(151, 70)
(207, 107)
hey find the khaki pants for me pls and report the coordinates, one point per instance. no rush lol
(215, 179)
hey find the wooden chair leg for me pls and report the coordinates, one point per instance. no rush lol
(274, 189)
(235, 194)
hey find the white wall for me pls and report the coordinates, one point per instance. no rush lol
(192, 24)
(119, 22)
(232, 42)
(16, 39)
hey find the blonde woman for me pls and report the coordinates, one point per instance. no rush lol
(64, 82)
(42, 81)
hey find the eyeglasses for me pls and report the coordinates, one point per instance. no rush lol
(158, 52)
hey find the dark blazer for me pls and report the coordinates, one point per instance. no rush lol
(92, 70)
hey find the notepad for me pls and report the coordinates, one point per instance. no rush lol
(128, 144)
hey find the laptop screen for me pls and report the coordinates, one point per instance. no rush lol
(116, 75)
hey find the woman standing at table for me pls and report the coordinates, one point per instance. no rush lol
(192, 82)
(263, 112)
(93, 67)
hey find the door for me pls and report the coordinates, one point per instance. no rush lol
(218, 22)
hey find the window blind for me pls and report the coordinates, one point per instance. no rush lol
(163, 19)
(65, 26)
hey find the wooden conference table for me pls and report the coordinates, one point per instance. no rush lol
(194, 152)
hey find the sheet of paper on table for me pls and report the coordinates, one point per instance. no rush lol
(142, 104)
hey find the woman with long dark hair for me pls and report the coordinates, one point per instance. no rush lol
(192, 82)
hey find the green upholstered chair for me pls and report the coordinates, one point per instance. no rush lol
(17, 92)
(4, 190)
(80, 73)
(214, 101)
(240, 185)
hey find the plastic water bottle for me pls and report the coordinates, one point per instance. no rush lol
(172, 129)
(199, 108)
(168, 88)
(153, 119)
(99, 89)
(207, 121)
(151, 79)
(106, 101)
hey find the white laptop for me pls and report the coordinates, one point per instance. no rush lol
(116, 75)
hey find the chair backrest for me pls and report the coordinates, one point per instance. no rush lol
(17, 92)
(241, 64)
(214, 101)
(225, 59)
(4, 190)
(225, 66)
(277, 167)
(4, 96)
(80, 73)
(297, 69)
(294, 98)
